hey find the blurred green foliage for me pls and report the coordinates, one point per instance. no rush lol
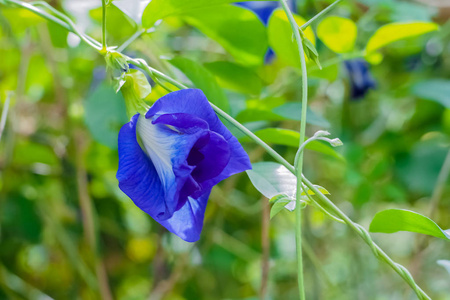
(68, 232)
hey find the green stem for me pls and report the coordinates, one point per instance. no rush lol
(87, 39)
(130, 40)
(299, 160)
(61, 19)
(103, 25)
(321, 13)
(362, 232)
(4, 114)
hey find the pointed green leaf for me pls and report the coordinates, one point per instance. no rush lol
(272, 179)
(394, 220)
(236, 77)
(139, 83)
(278, 197)
(278, 206)
(105, 114)
(280, 37)
(311, 52)
(437, 90)
(320, 188)
(238, 30)
(398, 31)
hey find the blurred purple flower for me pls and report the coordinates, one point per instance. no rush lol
(361, 80)
(264, 9)
(185, 151)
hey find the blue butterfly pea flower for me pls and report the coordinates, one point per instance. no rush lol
(361, 80)
(170, 159)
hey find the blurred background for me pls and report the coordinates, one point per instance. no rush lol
(68, 232)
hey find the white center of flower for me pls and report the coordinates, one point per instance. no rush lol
(160, 146)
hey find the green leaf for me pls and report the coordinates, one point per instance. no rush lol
(203, 80)
(120, 28)
(293, 111)
(139, 83)
(320, 188)
(393, 32)
(291, 138)
(135, 88)
(236, 77)
(238, 30)
(105, 114)
(278, 197)
(329, 72)
(272, 179)
(338, 34)
(255, 114)
(58, 35)
(394, 220)
(160, 9)
(279, 205)
(280, 37)
(311, 52)
(28, 153)
(437, 90)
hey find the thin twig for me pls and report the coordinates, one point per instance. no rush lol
(103, 25)
(436, 197)
(299, 158)
(265, 245)
(4, 114)
(321, 13)
(127, 43)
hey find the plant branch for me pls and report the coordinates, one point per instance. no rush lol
(299, 159)
(60, 19)
(103, 25)
(362, 232)
(4, 114)
(130, 40)
(321, 13)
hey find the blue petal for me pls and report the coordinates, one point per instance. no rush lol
(139, 180)
(168, 149)
(217, 154)
(187, 222)
(263, 9)
(194, 102)
(137, 175)
(185, 123)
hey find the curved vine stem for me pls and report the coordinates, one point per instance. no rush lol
(299, 158)
(59, 19)
(104, 25)
(358, 229)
